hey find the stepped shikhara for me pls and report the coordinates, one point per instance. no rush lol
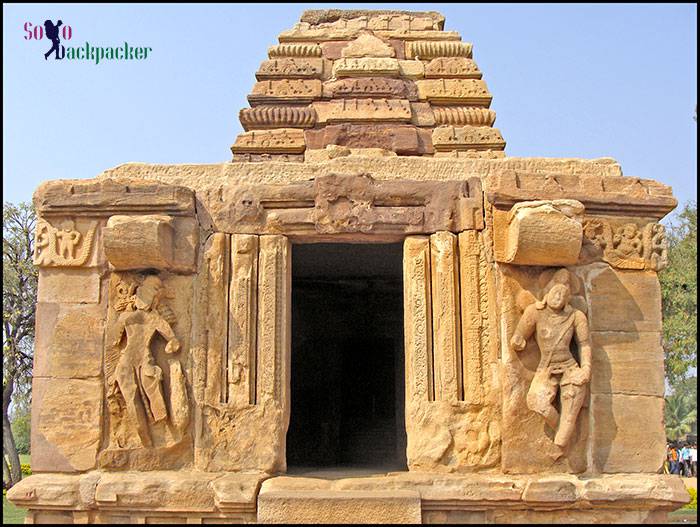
(357, 79)
(370, 280)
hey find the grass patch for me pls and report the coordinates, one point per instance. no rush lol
(10, 513)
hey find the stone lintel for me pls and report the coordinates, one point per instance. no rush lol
(105, 197)
(611, 195)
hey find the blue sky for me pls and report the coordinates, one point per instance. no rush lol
(567, 80)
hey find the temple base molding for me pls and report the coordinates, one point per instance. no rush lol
(404, 497)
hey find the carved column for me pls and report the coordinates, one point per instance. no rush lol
(446, 324)
(274, 309)
(242, 320)
(472, 375)
(418, 319)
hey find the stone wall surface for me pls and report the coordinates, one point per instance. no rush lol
(534, 375)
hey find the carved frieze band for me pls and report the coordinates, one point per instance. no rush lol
(464, 115)
(352, 204)
(294, 50)
(62, 247)
(277, 117)
(429, 50)
(626, 246)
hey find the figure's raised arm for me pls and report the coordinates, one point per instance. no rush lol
(524, 329)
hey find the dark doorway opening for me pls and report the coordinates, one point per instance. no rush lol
(347, 374)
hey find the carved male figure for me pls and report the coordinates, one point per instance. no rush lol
(136, 375)
(554, 323)
(67, 240)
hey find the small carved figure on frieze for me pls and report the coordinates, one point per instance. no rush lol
(554, 322)
(58, 247)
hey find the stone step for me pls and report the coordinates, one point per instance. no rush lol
(338, 506)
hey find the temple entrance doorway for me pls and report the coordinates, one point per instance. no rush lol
(347, 366)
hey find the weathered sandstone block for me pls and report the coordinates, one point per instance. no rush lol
(66, 423)
(68, 286)
(363, 110)
(454, 91)
(627, 363)
(290, 91)
(139, 242)
(371, 87)
(543, 233)
(280, 140)
(467, 137)
(402, 139)
(628, 433)
(367, 45)
(323, 506)
(291, 68)
(452, 68)
(366, 67)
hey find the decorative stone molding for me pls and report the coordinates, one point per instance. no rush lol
(294, 50)
(456, 91)
(282, 140)
(431, 50)
(351, 206)
(371, 87)
(291, 68)
(467, 138)
(452, 67)
(363, 110)
(261, 117)
(463, 115)
(366, 67)
(285, 90)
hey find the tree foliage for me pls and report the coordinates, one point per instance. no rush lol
(679, 296)
(19, 285)
(680, 414)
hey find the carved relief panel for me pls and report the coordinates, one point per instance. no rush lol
(452, 399)
(146, 367)
(241, 356)
(546, 352)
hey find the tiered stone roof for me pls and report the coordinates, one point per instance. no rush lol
(389, 80)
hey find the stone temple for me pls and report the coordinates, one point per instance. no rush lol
(371, 314)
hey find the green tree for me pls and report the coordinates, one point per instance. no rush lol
(680, 415)
(19, 286)
(679, 296)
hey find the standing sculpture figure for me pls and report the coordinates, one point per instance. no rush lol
(136, 375)
(554, 323)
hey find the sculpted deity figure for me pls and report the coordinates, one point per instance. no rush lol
(67, 240)
(136, 376)
(628, 241)
(554, 323)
